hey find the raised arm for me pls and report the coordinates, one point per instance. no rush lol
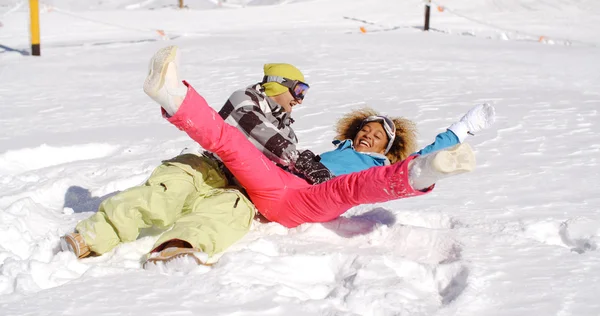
(475, 120)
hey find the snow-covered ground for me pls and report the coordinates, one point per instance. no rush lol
(518, 236)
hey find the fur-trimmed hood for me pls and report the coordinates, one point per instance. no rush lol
(405, 142)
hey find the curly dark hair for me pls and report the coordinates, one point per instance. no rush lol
(405, 142)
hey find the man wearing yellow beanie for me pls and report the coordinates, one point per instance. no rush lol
(193, 194)
(263, 111)
(285, 84)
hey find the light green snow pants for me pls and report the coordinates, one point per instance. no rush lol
(188, 192)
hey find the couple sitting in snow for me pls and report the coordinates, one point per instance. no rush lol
(250, 143)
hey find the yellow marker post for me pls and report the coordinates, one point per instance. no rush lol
(34, 16)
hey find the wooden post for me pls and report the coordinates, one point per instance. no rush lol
(427, 11)
(34, 17)
(181, 4)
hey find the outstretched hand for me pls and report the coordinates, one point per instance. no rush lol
(479, 118)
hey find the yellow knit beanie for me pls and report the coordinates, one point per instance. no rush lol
(281, 70)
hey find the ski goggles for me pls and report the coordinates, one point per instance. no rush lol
(388, 126)
(297, 88)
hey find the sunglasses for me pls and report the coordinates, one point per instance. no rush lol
(297, 88)
(388, 126)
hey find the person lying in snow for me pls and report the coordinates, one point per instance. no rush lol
(193, 194)
(363, 174)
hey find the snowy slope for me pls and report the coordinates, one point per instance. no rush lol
(518, 236)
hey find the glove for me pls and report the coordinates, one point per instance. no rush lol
(308, 166)
(288, 157)
(477, 119)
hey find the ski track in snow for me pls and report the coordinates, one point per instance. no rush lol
(519, 236)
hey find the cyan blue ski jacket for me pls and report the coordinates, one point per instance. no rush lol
(344, 159)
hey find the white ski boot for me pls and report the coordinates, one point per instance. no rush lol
(162, 83)
(426, 170)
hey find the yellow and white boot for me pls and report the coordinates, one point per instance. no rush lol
(176, 259)
(74, 242)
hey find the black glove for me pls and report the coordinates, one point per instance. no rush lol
(308, 165)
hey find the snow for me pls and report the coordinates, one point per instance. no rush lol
(518, 236)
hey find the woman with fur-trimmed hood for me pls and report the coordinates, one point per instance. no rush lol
(362, 141)
(366, 139)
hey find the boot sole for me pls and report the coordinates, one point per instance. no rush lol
(455, 160)
(166, 260)
(157, 69)
(67, 243)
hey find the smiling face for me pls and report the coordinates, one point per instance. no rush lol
(371, 138)
(287, 101)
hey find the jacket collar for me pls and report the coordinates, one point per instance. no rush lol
(341, 145)
(276, 109)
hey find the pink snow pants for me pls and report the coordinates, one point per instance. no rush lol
(279, 195)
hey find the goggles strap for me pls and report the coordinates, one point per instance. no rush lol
(290, 84)
(277, 79)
